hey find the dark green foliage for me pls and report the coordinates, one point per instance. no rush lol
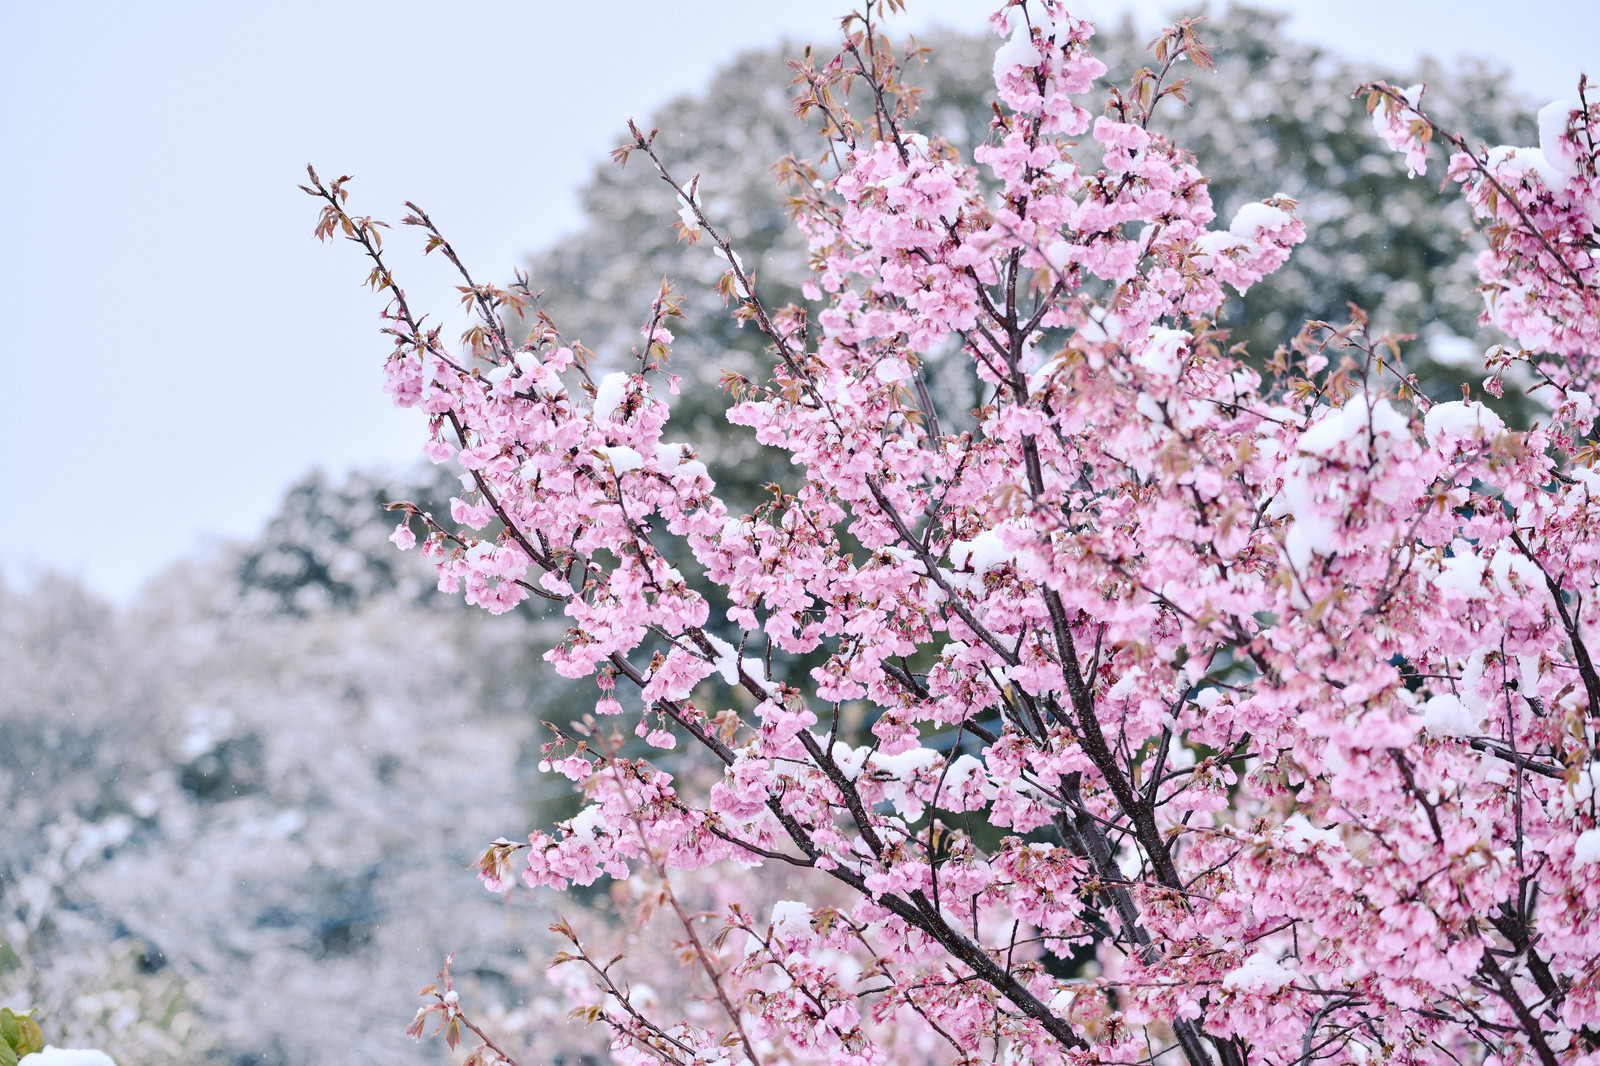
(327, 547)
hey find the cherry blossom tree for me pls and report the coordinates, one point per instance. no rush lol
(1188, 706)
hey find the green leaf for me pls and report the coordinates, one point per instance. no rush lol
(19, 1035)
(32, 1037)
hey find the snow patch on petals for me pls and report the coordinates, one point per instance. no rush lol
(1558, 150)
(1359, 435)
(1260, 973)
(1445, 715)
(686, 213)
(1399, 125)
(1460, 420)
(1162, 355)
(1255, 243)
(1586, 849)
(791, 918)
(1254, 220)
(1463, 571)
(621, 457)
(983, 553)
(1355, 424)
(1297, 829)
(1018, 51)
(608, 397)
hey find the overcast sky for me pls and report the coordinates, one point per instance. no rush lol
(176, 349)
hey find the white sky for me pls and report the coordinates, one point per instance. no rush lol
(175, 349)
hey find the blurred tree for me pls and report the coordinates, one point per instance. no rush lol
(227, 825)
(80, 748)
(327, 544)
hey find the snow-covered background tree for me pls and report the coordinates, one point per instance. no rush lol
(233, 834)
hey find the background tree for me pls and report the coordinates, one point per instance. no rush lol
(235, 814)
(326, 547)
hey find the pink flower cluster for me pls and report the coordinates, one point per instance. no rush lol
(1540, 208)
